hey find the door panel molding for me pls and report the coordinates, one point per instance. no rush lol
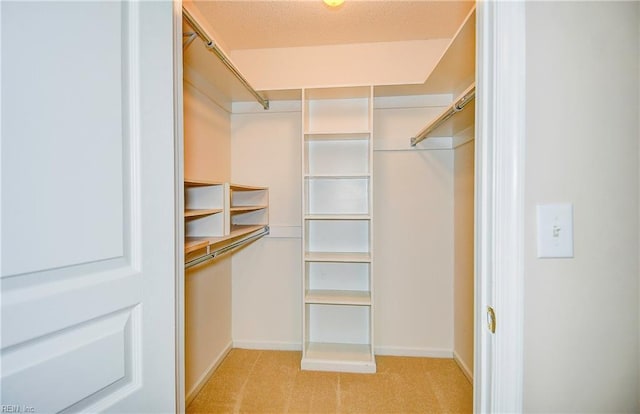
(95, 359)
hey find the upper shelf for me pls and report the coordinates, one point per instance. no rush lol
(210, 68)
(337, 136)
(455, 119)
(199, 183)
(455, 70)
(240, 187)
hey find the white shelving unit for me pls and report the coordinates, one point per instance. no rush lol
(337, 230)
(218, 214)
(204, 203)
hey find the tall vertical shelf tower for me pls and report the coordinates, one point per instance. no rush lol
(337, 230)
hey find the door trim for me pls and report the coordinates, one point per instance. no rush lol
(499, 239)
(179, 205)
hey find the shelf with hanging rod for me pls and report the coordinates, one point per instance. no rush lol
(201, 249)
(449, 116)
(211, 46)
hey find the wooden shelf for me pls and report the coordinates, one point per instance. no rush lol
(338, 297)
(193, 213)
(336, 136)
(337, 217)
(191, 244)
(338, 357)
(337, 257)
(246, 209)
(337, 176)
(199, 183)
(240, 187)
(337, 93)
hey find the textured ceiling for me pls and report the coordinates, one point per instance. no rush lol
(273, 24)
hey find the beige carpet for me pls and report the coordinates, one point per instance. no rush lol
(250, 381)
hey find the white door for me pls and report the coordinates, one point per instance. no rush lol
(500, 115)
(88, 247)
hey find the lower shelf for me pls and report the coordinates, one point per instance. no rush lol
(336, 257)
(339, 357)
(338, 297)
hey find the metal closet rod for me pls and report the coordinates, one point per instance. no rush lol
(220, 54)
(215, 253)
(458, 106)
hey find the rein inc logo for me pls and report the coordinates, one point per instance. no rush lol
(16, 408)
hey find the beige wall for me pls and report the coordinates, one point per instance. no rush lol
(207, 319)
(207, 129)
(207, 149)
(463, 270)
(581, 314)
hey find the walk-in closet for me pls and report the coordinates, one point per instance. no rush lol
(328, 194)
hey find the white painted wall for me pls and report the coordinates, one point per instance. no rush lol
(267, 274)
(581, 314)
(413, 205)
(463, 272)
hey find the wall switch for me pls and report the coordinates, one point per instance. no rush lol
(555, 230)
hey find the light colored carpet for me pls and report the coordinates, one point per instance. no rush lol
(250, 381)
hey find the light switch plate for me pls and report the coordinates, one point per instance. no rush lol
(555, 230)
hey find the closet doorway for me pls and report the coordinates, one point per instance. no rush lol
(260, 293)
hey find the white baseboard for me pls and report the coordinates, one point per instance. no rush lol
(379, 350)
(465, 369)
(191, 394)
(413, 352)
(268, 346)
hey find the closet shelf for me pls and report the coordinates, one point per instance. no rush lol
(339, 357)
(337, 257)
(240, 187)
(452, 120)
(337, 217)
(192, 244)
(337, 176)
(337, 136)
(199, 183)
(246, 209)
(338, 297)
(194, 213)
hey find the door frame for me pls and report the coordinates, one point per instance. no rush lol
(179, 206)
(499, 211)
(499, 201)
